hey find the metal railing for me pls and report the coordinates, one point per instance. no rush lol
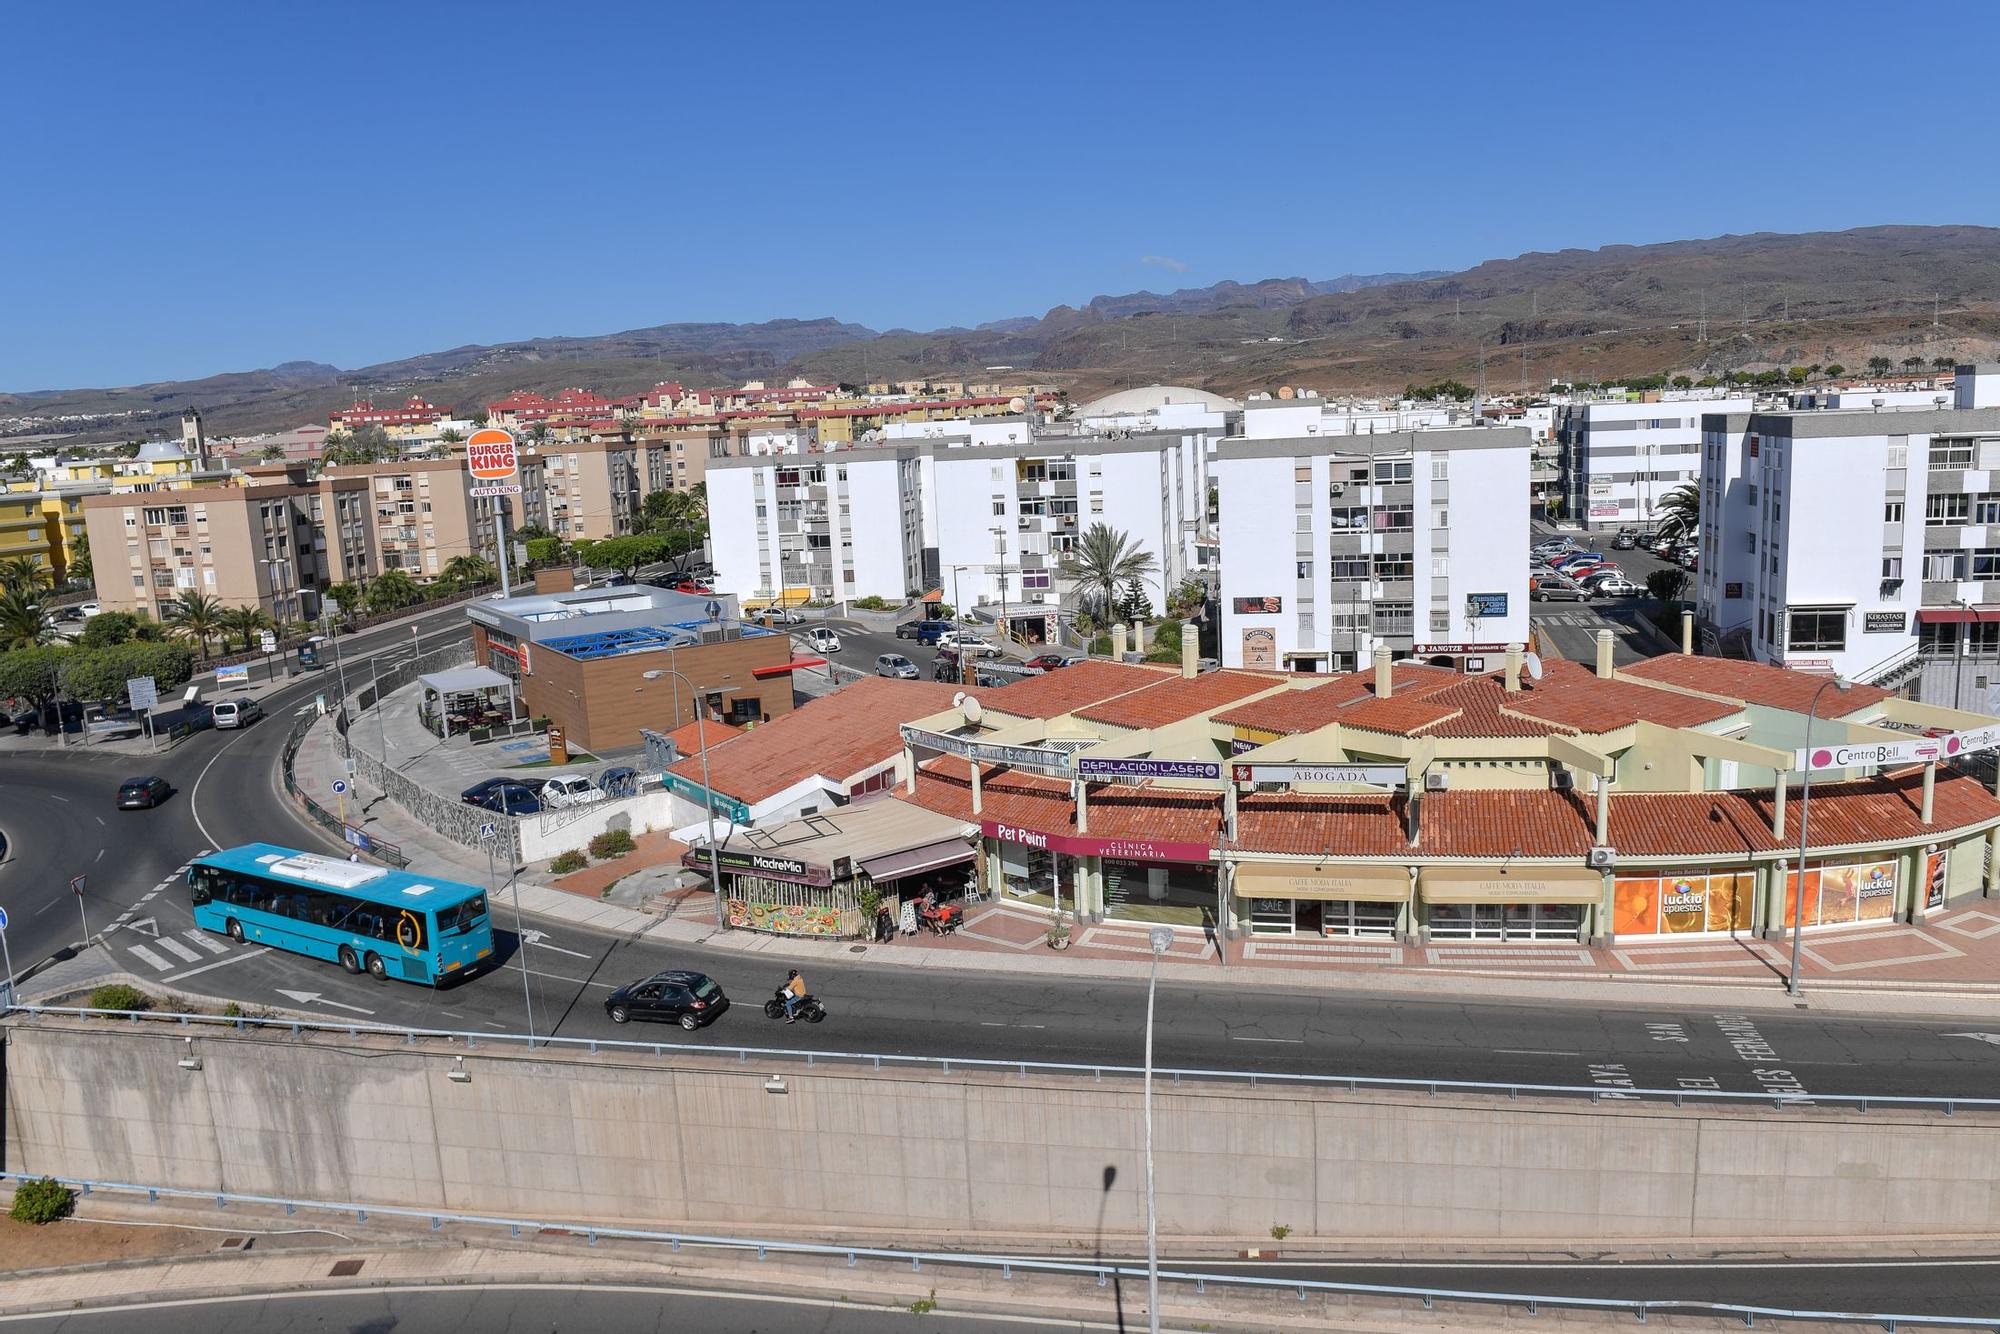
(1099, 1071)
(381, 849)
(1008, 1265)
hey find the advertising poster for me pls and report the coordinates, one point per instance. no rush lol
(1683, 905)
(1843, 892)
(1937, 867)
(1260, 650)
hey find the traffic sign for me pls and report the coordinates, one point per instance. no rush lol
(270, 641)
(488, 830)
(76, 886)
(143, 691)
(339, 786)
(3, 919)
(714, 610)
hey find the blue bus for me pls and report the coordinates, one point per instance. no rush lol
(365, 918)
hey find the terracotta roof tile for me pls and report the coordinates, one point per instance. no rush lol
(1298, 711)
(1751, 682)
(1536, 823)
(1356, 825)
(837, 736)
(1067, 689)
(1398, 715)
(1117, 810)
(1175, 698)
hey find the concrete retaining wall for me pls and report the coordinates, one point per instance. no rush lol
(637, 1139)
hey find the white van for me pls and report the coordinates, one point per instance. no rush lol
(570, 790)
(237, 712)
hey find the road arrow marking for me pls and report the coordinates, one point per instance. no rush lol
(1993, 1038)
(314, 998)
(540, 941)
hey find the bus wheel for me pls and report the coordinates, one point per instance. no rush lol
(376, 968)
(235, 929)
(347, 959)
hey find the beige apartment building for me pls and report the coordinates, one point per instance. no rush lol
(596, 487)
(278, 538)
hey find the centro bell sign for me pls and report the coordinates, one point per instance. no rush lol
(494, 462)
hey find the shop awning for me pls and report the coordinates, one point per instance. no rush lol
(1510, 884)
(1954, 615)
(1328, 881)
(460, 679)
(894, 865)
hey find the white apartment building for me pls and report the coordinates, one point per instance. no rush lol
(817, 526)
(1266, 418)
(1335, 543)
(1849, 540)
(1619, 459)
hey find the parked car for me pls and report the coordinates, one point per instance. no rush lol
(90, 609)
(236, 712)
(924, 632)
(779, 616)
(619, 781)
(1624, 542)
(570, 790)
(687, 999)
(1555, 590)
(1048, 662)
(142, 794)
(822, 640)
(511, 799)
(1618, 586)
(966, 641)
(895, 664)
(477, 793)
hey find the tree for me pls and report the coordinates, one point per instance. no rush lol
(1680, 511)
(1878, 365)
(626, 553)
(1798, 374)
(1166, 642)
(1707, 382)
(1667, 586)
(392, 589)
(244, 621)
(1102, 560)
(1944, 363)
(33, 674)
(101, 674)
(25, 573)
(1813, 370)
(1134, 604)
(461, 571)
(544, 550)
(24, 621)
(108, 628)
(345, 596)
(1835, 371)
(195, 615)
(1683, 382)
(79, 569)
(1913, 363)
(449, 436)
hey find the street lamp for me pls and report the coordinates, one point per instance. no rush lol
(1805, 813)
(1958, 682)
(707, 793)
(1158, 939)
(489, 835)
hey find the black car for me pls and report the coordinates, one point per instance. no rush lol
(688, 999)
(142, 794)
(477, 793)
(512, 799)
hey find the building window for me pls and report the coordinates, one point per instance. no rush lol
(1986, 563)
(1944, 566)
(159, 514)
(1392, 470)
(1986, 508)
(1943, 511)
(1950, 456)
(1892, 512)
(1892, 567)
(1821, 629)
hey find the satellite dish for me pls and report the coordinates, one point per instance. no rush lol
(958, 699)
(969, 708)
(1533, 662)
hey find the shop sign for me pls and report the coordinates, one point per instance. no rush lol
(1936, 870)
(1975, 739)
(1102, 769)
(1373, 775)
(1884, 623)
(728, 807)
(1260, 649)
(1258, 606)
(758, 863)
(492, 460)
(1644, 905)
(1732, 591)
(1458, 648)
(1267, 880)
(1918, 750)
(1603, 510)
(1075, 845)
(1485, 604)
(1014, 757)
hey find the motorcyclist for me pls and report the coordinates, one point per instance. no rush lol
(792, 993)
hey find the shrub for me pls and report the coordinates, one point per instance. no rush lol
(1101, 646)
(871, 603)
(232, 1011)
(565, 862)
(118, 996)
(42, 1200)
(1279, 1232)
(611, 843)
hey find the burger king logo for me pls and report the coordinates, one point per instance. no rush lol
(490, 456)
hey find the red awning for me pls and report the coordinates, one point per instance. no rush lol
(796, 664)
(1955, 615)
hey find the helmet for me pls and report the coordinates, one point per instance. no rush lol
(792, 974)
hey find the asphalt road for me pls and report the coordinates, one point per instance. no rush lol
(1573, 626)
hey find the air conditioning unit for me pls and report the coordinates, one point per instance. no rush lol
(1562, 780)
(1602, 859)
(1337, 489)
(1437, 781)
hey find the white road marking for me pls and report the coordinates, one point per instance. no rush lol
(148, 925)
(98, 818)
(206, 941)
(1531, 1051)
(1993, 1038)
(314, 998)
(219, 963)
(1294, 1042)
(178, 950)
(53, 902)
(153, 960)
(63, 800)
(100, 855)
(541, 942)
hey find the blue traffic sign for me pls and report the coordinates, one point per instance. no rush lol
(339, 786)
(3, 919)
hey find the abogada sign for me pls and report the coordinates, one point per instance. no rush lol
(493, 461)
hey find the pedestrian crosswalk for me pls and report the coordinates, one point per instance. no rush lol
(165, 953)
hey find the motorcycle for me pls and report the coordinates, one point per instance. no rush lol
(809, 1008)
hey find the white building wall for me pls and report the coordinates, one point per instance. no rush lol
(878, 543)
(1629, 464)
(1259, 542)
(733, 528)
(962, 493)
(1139, 497)
(1487, 543)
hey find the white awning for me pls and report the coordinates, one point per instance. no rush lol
(465, 678)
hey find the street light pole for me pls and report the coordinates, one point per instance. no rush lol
(1158, 939)
(1805, 813)
(707, 792)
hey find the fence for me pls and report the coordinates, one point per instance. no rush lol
(378, 848)
(1105, 1272)
(1862, 1102)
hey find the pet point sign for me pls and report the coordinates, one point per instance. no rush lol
(494, 462)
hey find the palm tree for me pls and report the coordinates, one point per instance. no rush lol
(1680, 509)
(1104, 559)
(1944, 363)
(23, 619)
(194, 615)
(245, 621)
(462, 570)
(25, 573)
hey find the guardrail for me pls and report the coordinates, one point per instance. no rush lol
(1103, 1271)
(945, 1064)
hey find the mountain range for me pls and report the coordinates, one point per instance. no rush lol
(1704, 306)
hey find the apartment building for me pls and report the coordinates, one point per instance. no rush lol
(1619, 459)
(43, 526)
(817, 526)
(1335, 544)
(421, 514)
(1859, 540)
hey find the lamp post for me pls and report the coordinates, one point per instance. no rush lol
(489, 835)
(1157, 940)
(707, 793)
(1805, 813)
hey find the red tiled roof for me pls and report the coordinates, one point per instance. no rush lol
(1752, 682)
(1174, 699)
(1356, 825)
(1070, 688)
(1309, 710)
(688, 738)
(1536, 823)
(1398, 715)
(836, 737)
(1577, 698)
(1117, 810)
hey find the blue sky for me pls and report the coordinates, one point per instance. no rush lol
(200, 188)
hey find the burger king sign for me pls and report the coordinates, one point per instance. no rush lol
(491, 459)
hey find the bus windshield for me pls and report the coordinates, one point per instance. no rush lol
(462, 918)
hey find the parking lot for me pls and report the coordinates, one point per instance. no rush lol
(1570, 628)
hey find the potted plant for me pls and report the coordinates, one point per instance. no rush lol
(1058, 933)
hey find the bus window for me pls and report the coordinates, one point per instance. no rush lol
(462, 918)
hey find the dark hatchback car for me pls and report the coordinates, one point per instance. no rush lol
(511, 799)
(142, 794)
(687, 999)
(477, 793)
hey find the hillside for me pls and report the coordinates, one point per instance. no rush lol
(1703, 306)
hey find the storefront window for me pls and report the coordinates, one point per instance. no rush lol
(1843, 892)
(1506, 921)
(1703, 901)
(1271, 917)
(1158, 891)
(1351, 918)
